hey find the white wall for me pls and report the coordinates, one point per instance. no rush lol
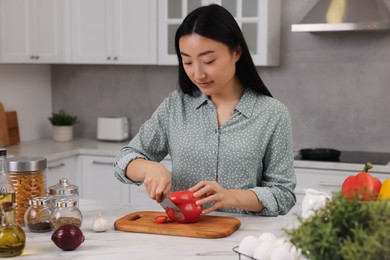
(27, 90)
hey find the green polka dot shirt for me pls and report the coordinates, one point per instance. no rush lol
(251, 151)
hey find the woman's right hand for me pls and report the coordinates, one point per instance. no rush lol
(156, 178)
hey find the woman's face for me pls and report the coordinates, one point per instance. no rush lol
(209, 64)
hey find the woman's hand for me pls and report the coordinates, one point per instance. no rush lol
(156, 178)
(220, 197)
(211, 191)
(157, 181)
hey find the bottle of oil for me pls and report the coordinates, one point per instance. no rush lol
(7, 191)
(12, 236)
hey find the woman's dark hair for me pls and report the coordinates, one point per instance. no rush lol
(216, 23)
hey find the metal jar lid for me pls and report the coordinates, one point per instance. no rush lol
(63, 187)
(66, 203)
(22, 164)
(40, 201)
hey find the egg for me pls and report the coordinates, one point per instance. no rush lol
(282, 252)
(247, 247)
(264, 250)
(267, 236)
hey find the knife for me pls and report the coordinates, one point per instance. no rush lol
(167, 203)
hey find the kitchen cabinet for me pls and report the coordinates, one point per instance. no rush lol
(34, 31)
(325, 180)
(114, 31)
(62, 168)
(258, 19)
(98, 181)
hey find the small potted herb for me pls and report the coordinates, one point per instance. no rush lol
(62, 126)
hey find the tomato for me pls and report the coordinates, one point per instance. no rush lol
(362, 186)
(161, 219)
(186, 202)
(384, 192)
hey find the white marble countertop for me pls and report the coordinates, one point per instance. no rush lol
(55, 150)
(114, 244)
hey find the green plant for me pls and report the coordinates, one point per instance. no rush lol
(62, 119)
(345, 229)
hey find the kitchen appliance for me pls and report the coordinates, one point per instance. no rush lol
(342, 15)
(328, 154)
(112, 128)
(207, 227)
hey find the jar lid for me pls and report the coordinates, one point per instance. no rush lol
(26, 164)
(38, 201)
(63, 187)
(66, 203)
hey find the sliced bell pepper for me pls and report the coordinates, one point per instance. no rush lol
(186, 202)
(362, 186)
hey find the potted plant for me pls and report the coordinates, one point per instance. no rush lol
(62, 126)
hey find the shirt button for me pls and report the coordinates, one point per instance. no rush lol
(216, 131)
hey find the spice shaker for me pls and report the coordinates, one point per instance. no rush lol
(37, 215)
(28, 175)
(63, 190)
(66, 213)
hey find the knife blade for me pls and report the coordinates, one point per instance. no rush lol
(167, 203)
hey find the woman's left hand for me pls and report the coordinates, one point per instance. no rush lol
(211, 191)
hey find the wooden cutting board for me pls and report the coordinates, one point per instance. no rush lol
(4, 140)
(12, 127)
(206, 227)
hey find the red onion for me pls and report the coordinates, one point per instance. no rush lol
(68, 237)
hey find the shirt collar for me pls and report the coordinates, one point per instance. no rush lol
(247, 102)
(244, 106)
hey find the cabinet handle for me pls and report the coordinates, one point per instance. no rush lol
(56, 166)
(115, 58)
(102, 163)
(329, 184)
(108, 58)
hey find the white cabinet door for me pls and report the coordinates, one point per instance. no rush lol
(62, 168)
(258, 19)
(114, 31)
(33, 31)
(98, 181)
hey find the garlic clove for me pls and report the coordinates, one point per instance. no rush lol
(100, 224)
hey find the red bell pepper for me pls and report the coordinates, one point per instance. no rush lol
(186, 202)
(362, 186)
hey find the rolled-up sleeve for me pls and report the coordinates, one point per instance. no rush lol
(151, 143)
(278, 181)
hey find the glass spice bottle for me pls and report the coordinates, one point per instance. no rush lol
(66, 212)
(63, 190)
(37, 215)
(12, 236)
(7, 191)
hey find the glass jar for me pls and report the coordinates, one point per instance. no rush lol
(12, 236)
(63, 190)
(28, 175)
(37, 216)
(7, 191)
(66, 212)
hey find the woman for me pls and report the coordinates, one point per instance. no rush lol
(229, 140)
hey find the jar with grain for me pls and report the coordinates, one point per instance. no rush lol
(63, 190)
(28, 175)
(66, 213)
(37, 216)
